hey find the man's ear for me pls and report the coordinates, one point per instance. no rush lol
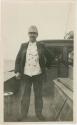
(36, 35)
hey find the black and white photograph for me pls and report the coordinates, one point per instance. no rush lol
(38, 41)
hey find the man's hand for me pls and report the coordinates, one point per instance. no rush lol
(18, 75)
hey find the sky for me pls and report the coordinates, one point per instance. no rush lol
(53, 20)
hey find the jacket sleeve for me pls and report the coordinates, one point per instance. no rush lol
(49, 57)
(18, 60)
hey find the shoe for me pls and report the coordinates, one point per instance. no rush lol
(41, 117)
(21, 118)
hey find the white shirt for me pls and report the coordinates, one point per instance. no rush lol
(32, 66)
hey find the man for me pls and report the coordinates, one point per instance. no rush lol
(30, 65)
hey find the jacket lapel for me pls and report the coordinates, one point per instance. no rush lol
(38, 49)
(24, 52)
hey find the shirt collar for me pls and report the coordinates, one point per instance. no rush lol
(34, 43)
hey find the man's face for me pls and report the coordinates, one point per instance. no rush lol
(32, 36)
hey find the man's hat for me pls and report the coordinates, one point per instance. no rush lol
(33, 28)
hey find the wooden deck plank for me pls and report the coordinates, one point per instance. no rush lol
(66, 91)
(67, 82)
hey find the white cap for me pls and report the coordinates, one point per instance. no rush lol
(33, 28)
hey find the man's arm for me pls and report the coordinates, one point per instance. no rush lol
(18, 60)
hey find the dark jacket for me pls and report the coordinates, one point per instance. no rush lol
(45, 57)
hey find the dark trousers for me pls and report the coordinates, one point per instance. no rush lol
(25, 92)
